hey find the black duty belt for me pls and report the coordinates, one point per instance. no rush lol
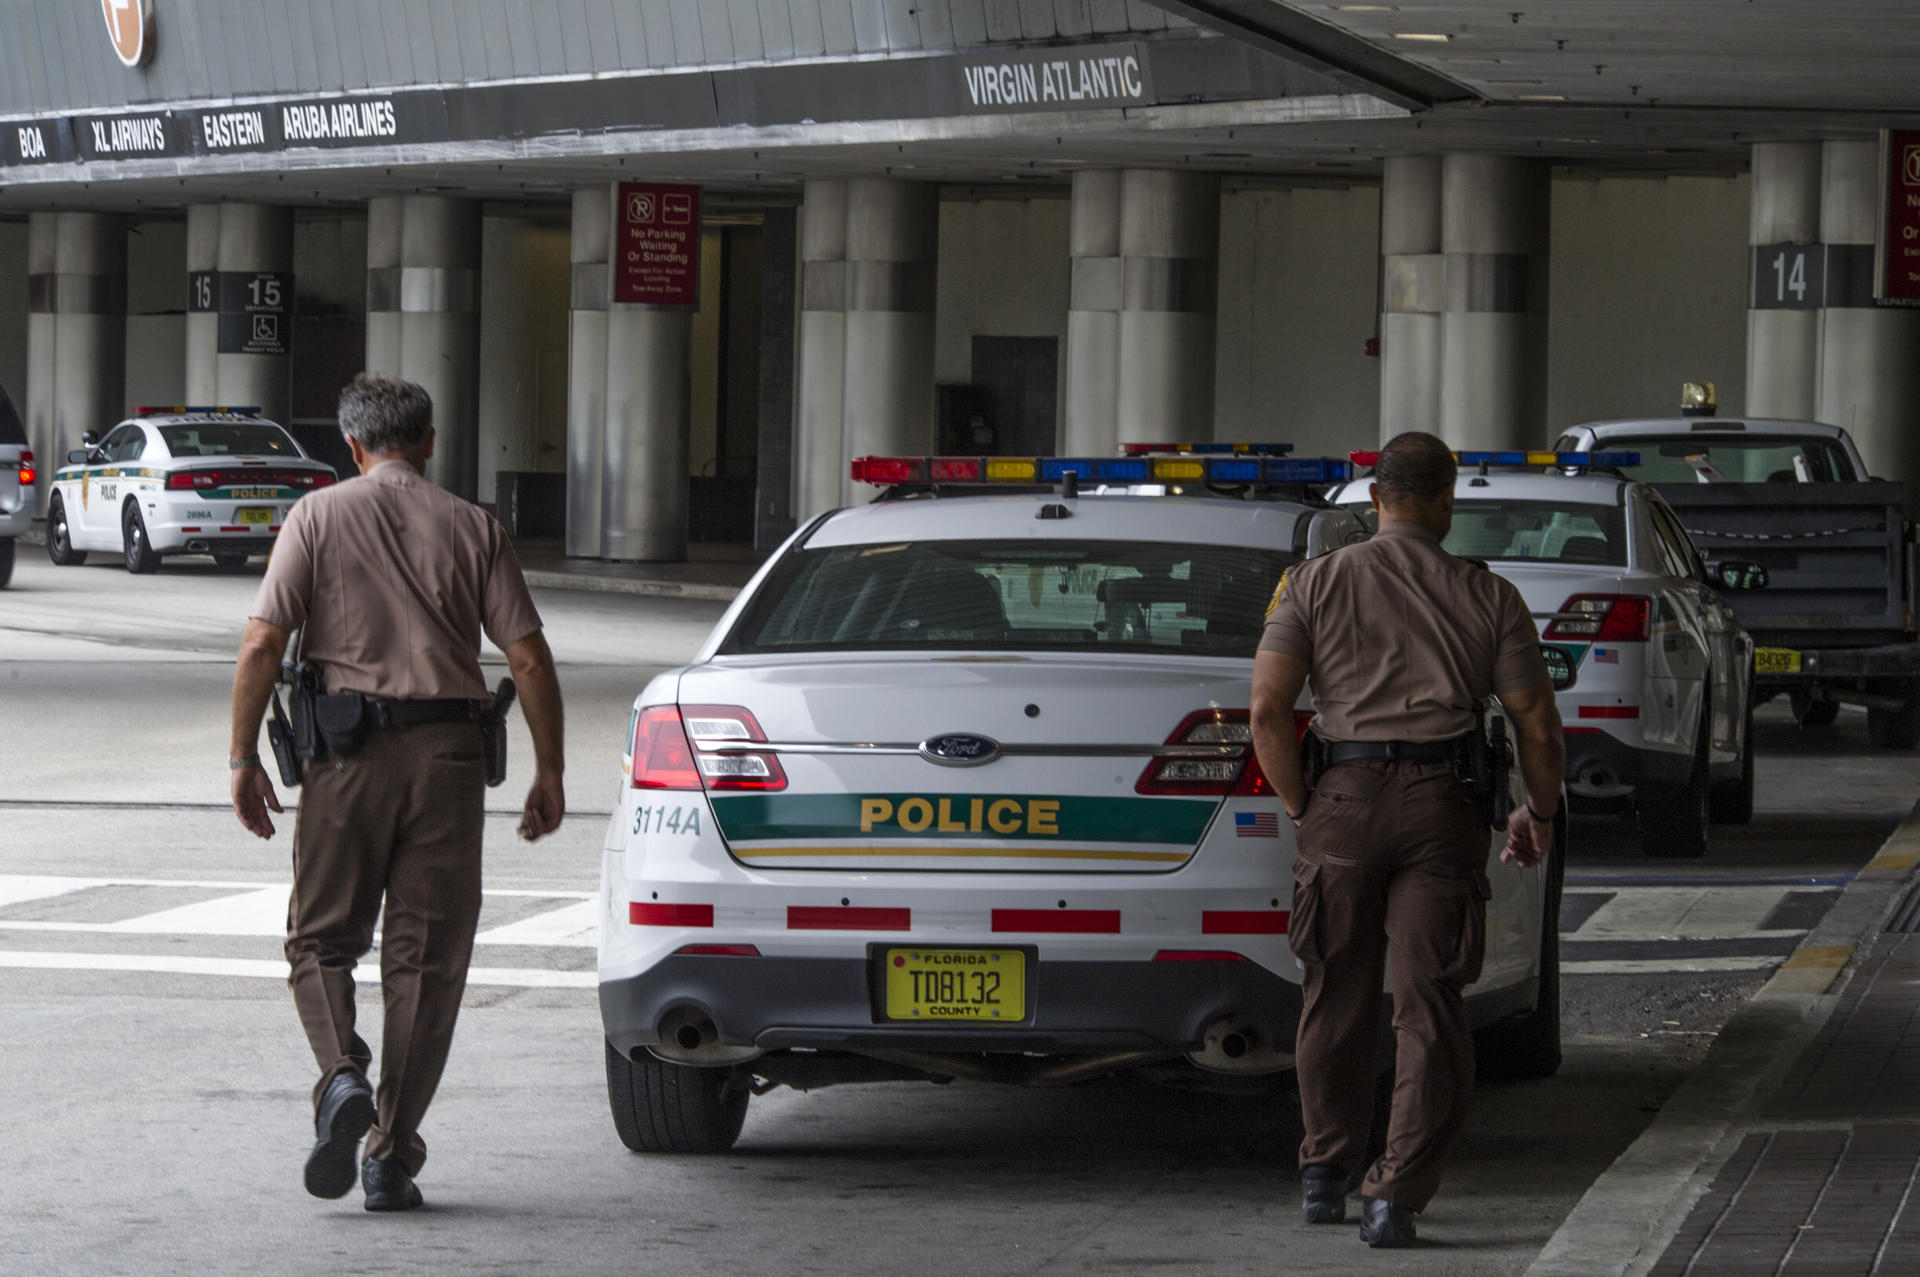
(1397, 751)
(410, 713)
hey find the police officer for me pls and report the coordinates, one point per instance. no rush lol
(1401, 641)
(393, 580)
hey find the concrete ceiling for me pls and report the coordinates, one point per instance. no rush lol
(1596, 86)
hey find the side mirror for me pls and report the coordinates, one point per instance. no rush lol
(1560, 669)
(89, 438)
(1738, 574)
(77, 457)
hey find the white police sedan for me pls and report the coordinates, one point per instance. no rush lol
(961, 787)
(1659, 720)
(215, 481)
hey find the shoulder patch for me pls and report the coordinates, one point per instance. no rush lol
(1278, 591)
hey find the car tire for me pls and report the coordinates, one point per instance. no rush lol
(1808, 712)
(1674, 826)
(1732, 800)
(671, 1108)
(60, 535)
(1897, 728)
(1527, 1047)
(6, 561)
(135, 546)
(230, 559)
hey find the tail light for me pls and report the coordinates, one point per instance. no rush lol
(1236, 773)
(191, 480)
(662, 756)
(27, 473)
(698, 747)
(1603, 618)
(715, 728)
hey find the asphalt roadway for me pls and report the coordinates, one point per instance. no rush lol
(157, 1082)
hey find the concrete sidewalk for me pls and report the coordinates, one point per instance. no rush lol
(712, 571)
(1795, 1147)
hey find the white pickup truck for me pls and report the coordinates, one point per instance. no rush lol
(1834, 623)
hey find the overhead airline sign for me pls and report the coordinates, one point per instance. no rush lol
(1112, 75)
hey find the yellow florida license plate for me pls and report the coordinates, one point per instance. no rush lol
(1776, 660)
(254, 514)
(980, 985)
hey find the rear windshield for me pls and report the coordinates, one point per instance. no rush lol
(11, 431)
(1014, 596)
(1736, 459)
(229, 438)
(1539, 530)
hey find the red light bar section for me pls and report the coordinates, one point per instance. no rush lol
(889, 469)
(1244, 922)
(1079, 922)
(843, 918)
(653, 913)
(1609, 711)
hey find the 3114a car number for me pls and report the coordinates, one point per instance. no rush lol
(667, 819)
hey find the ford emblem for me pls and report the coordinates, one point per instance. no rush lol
(959, 749)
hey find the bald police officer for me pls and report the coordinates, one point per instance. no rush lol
(393, 580)
(1401, 641)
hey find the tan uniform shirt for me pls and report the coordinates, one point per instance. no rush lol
(394, 579)
(1403, 638)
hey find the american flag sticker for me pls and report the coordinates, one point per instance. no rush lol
(1256, 824)
(1606, 656)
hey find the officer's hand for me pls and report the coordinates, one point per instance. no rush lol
(1528, 840)
(253, 797)
(546, 804)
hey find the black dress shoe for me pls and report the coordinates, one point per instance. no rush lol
(388, 1185)
(346, 1111)
(1384, 1225)
(1323, 1194)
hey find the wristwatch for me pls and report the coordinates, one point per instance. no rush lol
(242, 763)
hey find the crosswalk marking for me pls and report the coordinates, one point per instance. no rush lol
(1655, 925)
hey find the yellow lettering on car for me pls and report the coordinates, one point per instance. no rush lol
(1043, 816)
(915, 815)
(1009, 825)
(874, 811)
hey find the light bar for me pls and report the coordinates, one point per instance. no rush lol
(155, 410)
(1245, 449)
(1266, 467)
(1557, 459)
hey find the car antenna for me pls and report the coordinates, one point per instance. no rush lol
(1070, 483)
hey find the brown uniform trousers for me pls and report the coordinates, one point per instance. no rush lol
(1391, 863)
(402, 818)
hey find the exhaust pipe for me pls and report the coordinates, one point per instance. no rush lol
(1599, 780)
(1240, 1044)
(688, 1036)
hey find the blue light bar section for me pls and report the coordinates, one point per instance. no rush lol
(1234, 471)
(1125, 470)
(1307, 470)
(1607, 458)
(1053, 469)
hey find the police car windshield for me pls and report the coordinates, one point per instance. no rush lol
(229, 438)
(1730, 458)
(11, 431)
(1053, 595)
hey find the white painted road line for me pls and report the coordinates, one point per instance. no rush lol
(1713, 912)
(575, 924)
(260, 968)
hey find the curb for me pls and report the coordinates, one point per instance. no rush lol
(1623, 1224)
(624, 585)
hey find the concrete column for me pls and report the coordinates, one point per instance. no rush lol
(1141, 318)
(818, 448)
(1413, 297)
(77, 329)
(240, 307)
(779, 312)
(423, 317)
(1869, 378)
(591, 240)
(868, 252)
(203, 304)
(649, 414)
(1783, 342)
(1493, 337)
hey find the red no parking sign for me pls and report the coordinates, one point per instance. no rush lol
(1900, 254)
(657, 244)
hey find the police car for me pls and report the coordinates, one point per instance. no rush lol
(1659, 721)
(215, 481)
(961, 787)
